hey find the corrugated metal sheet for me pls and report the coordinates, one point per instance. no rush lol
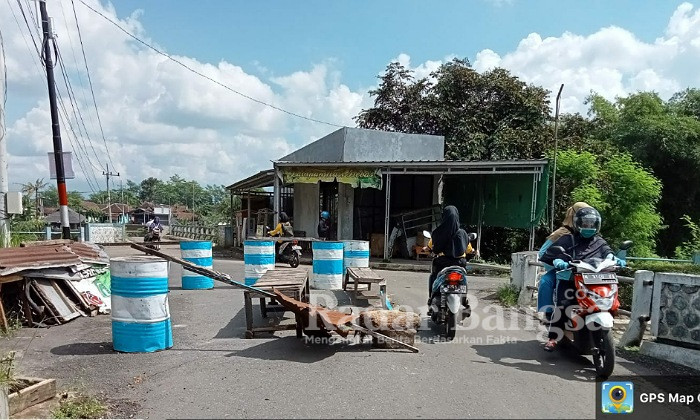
(16, 260)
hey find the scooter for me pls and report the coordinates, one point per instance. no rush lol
(448, 300)
(153, 236)
(289, 252)
(590, 307)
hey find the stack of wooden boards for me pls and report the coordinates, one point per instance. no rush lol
(53, 282)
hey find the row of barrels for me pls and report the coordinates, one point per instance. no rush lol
(330, 260)
(140, 311)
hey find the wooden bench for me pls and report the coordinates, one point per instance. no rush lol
(367, 276)
(293, 282)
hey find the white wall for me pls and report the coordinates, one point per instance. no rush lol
(346, 204)
(306, 208)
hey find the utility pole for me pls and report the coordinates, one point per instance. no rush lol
(55, 127)
(109, 196)
(4, 182)
(192, 201)
(556, 147)
(121, 186)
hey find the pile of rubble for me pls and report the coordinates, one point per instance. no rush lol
(53, 282)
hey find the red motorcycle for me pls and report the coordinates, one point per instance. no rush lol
(589, 309)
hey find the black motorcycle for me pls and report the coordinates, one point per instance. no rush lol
(289, 251)
(152, 239)
(448, 299)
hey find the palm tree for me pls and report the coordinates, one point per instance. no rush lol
(34, 188)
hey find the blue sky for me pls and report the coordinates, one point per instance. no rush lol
(285, 36)
(315, 58)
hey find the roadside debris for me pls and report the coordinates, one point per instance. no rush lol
(52, 282)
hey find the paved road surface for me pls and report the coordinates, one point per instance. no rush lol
(213, 372)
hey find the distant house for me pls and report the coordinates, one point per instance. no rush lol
(120, 212)
(75, 219)
(147, 211)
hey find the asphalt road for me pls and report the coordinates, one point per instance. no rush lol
(495, 367)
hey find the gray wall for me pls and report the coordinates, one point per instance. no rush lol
(346, 202)
(306, 208)
(372, 145)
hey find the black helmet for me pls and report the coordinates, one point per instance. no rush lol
(587, 222)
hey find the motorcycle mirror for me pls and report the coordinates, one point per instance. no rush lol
(427, 234)
(472, 236)
(626, 245)
(559, 251)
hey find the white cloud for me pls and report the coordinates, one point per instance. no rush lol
(611, 61)
(159, 118)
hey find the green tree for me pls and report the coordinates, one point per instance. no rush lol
(150, 189)
(623, 191)
(664, 137)
(491, 115)
(50, 196)
(32, 192)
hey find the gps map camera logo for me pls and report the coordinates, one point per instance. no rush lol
(617, 397)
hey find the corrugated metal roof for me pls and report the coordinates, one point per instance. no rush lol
(379, 163)
(17, 260)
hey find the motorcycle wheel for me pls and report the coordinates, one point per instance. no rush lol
(294, 260)
(604, 361)
(450, 326)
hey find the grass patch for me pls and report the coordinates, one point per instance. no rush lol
(13, 325)
(80, 407)
(7, 369)
(508, 295)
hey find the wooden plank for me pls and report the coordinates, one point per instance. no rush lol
(40, 391)
(214, 275)
(11, 278)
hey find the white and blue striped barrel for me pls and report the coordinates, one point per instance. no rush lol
(327, 265)
(355, 254)
(196, 252)
(259, 256)
(140, 314)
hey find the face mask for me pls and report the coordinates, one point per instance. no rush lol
(588, 232)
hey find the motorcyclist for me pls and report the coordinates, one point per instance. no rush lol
(152, 226)
(449, 243)
(283, 228)
(324, 226)
(583, 244)
(545, 293)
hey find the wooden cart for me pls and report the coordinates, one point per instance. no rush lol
(293, 282)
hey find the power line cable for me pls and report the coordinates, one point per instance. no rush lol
(92, 91)
(42, 75)
(74, 102)
(77, 150)
(78, 72)
(26, 42)
(204, 75)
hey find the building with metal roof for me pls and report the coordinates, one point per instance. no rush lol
(371, 181)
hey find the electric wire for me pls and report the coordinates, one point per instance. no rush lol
(74, 102)
(43, 76)
(92, 91)
(171, 58)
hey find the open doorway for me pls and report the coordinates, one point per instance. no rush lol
(328, 201)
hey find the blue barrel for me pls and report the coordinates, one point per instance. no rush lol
(140, 313)
(196, 252)
(355, 254)
(327, 265)
(258, 256)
